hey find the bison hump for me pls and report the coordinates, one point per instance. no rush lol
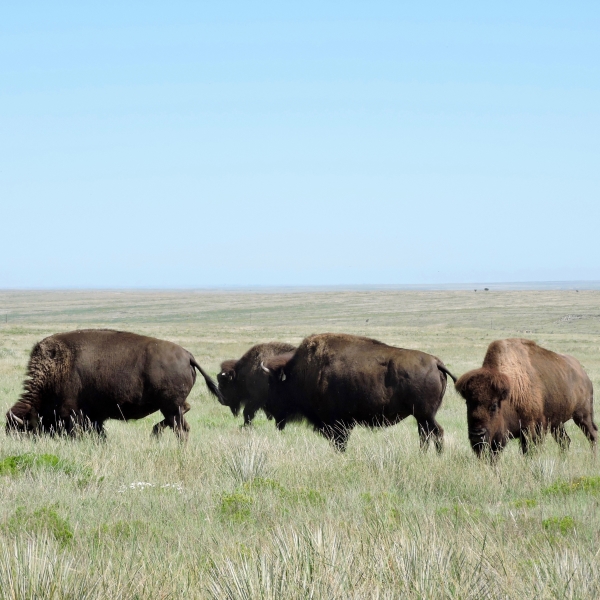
(49, 364)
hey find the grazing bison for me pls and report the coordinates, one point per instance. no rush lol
(337, 381)
(84, 377)
(522, 390)
(243, 382)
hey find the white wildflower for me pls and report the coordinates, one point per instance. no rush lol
(142, 485)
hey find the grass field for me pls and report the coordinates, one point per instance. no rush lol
(261, 514)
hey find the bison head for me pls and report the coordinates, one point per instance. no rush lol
(277, 404)
(229, 386)
(485, 391)
(22, 418)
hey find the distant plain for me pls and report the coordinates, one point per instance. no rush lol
(260, 514)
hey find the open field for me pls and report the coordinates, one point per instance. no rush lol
(261, 514)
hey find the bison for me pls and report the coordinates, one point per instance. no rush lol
(522, 390)
(243, 382)
(337, 381)
(82, 378)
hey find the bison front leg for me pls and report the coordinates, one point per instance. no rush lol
(429, 429)
(98, 428)
(559, 433)
(337, 434)
(249, 413)
(531, 436)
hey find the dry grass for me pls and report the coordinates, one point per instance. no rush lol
(263, 514)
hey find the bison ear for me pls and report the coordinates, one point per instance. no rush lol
(464, 384)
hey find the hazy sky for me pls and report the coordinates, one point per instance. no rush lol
(189, 144)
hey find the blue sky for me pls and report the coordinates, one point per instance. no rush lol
(188, 144)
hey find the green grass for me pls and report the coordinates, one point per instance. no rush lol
(30, 461)
(265, 514)
(44, 519)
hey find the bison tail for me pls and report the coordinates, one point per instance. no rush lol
(213, 388)
(443, 369)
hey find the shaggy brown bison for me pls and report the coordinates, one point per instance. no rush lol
(522, 390)
(337, 381)
(243, 382)
(84, 377)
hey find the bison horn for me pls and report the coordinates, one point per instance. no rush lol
(283, 377)
(265, 369)
(15, 418)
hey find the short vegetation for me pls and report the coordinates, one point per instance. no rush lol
(255, 513)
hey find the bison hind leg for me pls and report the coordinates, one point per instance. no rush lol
(589, 428)
(159, 428)
(175, 420)
(429, 429)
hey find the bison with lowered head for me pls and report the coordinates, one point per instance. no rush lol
(521, 391)
(337, 381)
(84, 377)
(243, 382)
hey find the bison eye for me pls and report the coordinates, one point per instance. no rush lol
(494, 407)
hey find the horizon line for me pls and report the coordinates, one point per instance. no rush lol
(565, 285)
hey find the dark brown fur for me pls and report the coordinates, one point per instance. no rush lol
(337, 381)
(522, 390)
(84, 377)
(244, 383)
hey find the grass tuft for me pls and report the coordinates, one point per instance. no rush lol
(560, 524)
(42, 520)
(579, 484)
(28, 462)
(235, 507)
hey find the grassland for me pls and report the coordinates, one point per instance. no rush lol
(261, 514)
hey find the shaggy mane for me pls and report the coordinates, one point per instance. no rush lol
(511, 357)
(228, 365)
(49, 362)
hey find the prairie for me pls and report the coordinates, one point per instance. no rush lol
(256, 513)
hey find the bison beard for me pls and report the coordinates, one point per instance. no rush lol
(521, 391)
(82, 378)
(337, 381)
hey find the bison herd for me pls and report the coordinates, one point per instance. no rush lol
(77, 380)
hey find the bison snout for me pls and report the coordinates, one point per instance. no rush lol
(478, 439)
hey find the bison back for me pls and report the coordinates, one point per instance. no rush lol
(366, 381)
(115, 374)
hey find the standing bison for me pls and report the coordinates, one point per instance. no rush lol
(84, 377)
(243, 382)
(337, 381)
(522, 390)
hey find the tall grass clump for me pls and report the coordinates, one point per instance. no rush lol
(35, 567)
(247, 460)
